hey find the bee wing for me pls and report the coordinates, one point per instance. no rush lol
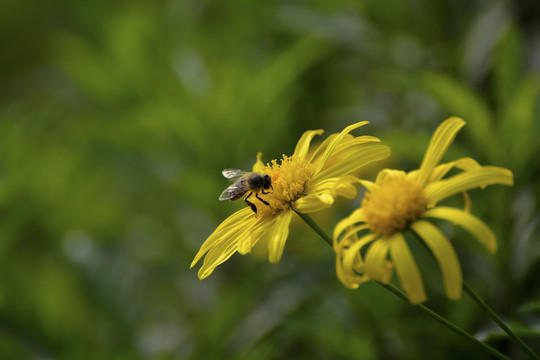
(233, 173)
(231, 192)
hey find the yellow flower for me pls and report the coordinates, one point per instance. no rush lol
(398, 201)
(305, 182)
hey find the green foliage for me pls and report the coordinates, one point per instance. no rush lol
(116, 119)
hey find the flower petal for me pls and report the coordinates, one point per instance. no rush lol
(466, 164)
(351, 235)
(353, 159)
(322, 146)
(350, 141)
(445, 254)
(388, 174)
(345, 188)
(376, 261)
(440, 141)
(302, 147)
(314, 202)
(278, 236)
(349, 264)
(343, 148)
(356, 217)
(326, 185)
(487, 175)
(255, 234)
(259, 165)
(225, 240)
(369, 185)
(339, 186)
(231, 225)
(469, 222)
(350, 257)
(320, 161)
(406, 269)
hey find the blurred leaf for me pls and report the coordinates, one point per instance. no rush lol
(507, 65)
(459, 100)
(410, 148)
(519, 123)
(116, 119)
(532, 306)
(520, 329)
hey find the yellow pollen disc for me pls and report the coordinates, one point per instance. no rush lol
(289, 180)
(394, 205)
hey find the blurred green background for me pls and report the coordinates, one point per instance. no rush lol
(116, 119)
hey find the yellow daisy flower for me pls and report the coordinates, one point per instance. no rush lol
(306, 182)
(398, 201)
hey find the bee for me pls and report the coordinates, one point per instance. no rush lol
(246, 183)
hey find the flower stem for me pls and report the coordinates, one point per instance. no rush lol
(498, 320)
(315, 227)
(468, 289)
(448, 324)
(308, 220)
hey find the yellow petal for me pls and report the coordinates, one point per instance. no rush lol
(222, 251)
(351, 255)
(278, 236)
(467, 201)
(349, 264)
(376, 261)
(345, 188)
(466, 164)
(259, 165)
(219, 254)
(356, 217)
(233, 224)
(350, 235)
(321, 160)
(320, 149)
(487, 175)
(353, 159)
(338, 186)
(441, 140)
(387, 175)
(255, 234)
(314, 202)
(326, 185)
(369, 185)
(343, 148)
(239, 232)
(350, 140)
(444, 252)
(407, 270)
(302, 147)
(349, 280)
(469, 222)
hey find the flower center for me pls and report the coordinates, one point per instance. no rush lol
(289, 180)
(394, 205)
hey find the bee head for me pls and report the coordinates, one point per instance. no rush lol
(267, 181)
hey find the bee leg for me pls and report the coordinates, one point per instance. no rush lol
(262, 200)
(250, 204)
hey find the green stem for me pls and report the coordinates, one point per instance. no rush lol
(490, 312)
(448, 324)
(498, 320)
(308, 220)
(315, 227)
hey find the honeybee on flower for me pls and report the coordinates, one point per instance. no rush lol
(246, 183)
(307, 181)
